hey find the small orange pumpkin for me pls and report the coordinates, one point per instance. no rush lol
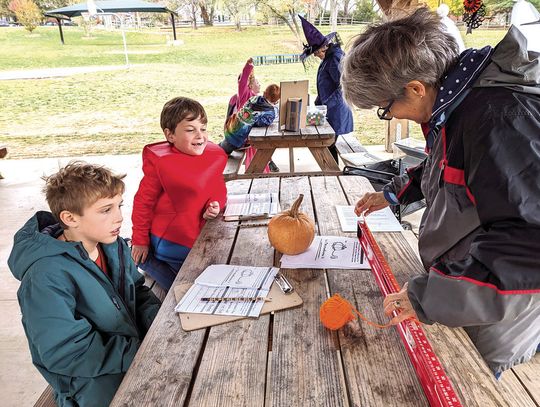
(291, 232)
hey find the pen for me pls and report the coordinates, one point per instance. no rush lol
(227, 299)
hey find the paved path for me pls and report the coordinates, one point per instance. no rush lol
(56, 72)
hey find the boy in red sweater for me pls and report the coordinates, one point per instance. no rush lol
(181, 188)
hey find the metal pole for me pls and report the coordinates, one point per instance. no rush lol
(173, 26)
(61, 32)
(124, 39)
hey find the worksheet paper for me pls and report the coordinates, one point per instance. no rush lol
(245, 206)
(224, 281)
(329, 252)
(378, 221)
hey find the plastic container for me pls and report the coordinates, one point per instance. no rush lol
(316, 115)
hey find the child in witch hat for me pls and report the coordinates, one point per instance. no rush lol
(328, 49)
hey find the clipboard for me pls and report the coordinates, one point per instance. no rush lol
(191, 322)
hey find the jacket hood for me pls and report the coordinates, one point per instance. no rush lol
(512, 66)
(36, 240)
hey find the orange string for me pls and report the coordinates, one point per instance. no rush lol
(336, 312)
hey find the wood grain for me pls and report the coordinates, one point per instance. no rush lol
(377, 368)
(305, 365)
(472, 380)
(260, 160)
(233, 368)
(528, 375)
(324, 159)
(290, 359)
(162, 370)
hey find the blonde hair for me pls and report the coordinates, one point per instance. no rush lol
(78, 185)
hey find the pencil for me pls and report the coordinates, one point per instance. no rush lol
(239, 299)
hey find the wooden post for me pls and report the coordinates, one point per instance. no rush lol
(396, 129)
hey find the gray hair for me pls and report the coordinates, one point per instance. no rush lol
(387, 56)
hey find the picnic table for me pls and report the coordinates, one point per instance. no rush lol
(289, 358)
(316, 138)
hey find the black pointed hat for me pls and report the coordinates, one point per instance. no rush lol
(315, 39)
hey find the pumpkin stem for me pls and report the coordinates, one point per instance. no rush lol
(296, 205)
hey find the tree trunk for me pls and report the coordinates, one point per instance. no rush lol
(333, 14)
(312, 10)
(346, 4)
(208, 20)
(194, 15)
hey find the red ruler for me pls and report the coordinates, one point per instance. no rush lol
(432, 377)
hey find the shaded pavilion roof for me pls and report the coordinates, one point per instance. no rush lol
(110, 6)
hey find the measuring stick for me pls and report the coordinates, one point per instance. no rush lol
(432, 377)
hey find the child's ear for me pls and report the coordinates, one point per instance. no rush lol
(168, 134)
(69, 219)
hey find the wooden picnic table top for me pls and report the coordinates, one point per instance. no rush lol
(289, 358)
(274, 134)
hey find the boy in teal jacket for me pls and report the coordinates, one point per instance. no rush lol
(84, 308)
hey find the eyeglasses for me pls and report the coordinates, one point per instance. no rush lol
(384, 112)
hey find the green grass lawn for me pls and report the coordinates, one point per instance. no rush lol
(118, 111)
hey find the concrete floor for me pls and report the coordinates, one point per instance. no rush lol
(20, 198)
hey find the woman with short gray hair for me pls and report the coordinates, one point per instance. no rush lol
(480, 232)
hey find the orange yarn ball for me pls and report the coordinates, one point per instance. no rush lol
(336, 312)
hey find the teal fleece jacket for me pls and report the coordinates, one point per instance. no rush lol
(83, 328)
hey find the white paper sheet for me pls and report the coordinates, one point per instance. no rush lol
(191, 302)
(222, 281)
(228, 275)
(244, 206)
(378, 221)
(329, 252)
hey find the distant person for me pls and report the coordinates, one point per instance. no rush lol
(85, 309)
(182, 187)
(248, 86)
(328, 49)
(443, 10)
(480, 233)
(257, 111)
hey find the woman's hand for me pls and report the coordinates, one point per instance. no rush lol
(212, 211)
(370, 202)
(139, 253)
(400, 303)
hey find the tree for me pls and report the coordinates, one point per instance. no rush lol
(347, 6)
(27, 13)
(208, 8)
(333, 14)
(455, 6)
(364, 11)
(236, 8)
(285, 11)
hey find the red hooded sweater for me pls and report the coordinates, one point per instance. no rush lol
(175, 191)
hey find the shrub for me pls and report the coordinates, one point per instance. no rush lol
(27, 13)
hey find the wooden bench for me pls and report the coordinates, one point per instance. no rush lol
(46, 399)
(353, 153)
(234, 162)
(155, 287)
